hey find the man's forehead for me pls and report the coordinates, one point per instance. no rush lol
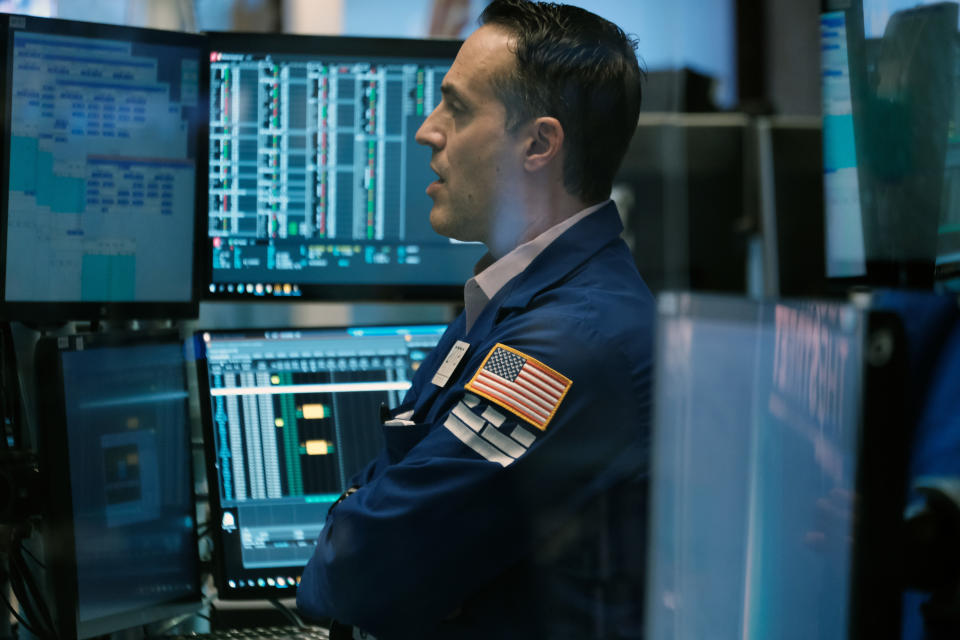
(483, 55)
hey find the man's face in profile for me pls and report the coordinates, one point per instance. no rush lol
(475, 157)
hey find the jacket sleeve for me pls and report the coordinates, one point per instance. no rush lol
(475, 494)
(402, 412)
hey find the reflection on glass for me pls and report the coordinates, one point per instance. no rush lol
(755, 461)
(892, 144)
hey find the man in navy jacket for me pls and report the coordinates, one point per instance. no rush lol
(508, 500)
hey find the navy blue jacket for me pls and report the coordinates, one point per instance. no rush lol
(458, 532)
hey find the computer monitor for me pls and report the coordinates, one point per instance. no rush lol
(119, 521)
(845, 250)
(317, 186)
(103, 169)
(289, 416)
(779, 470)
(890, 107)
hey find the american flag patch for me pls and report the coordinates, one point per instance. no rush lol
(517, 382)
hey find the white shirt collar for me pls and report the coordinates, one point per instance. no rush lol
(482, 287)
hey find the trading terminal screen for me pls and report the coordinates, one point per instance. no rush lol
(315, 176)
(289, 417)
(105, 128)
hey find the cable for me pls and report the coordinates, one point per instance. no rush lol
(19, 590)
(30, 589)
(23, 623)
(34, 589)
(33, 557)
(27, 606)
(290, 615)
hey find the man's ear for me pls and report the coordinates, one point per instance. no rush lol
(544, 143)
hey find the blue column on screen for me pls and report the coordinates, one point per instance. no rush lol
(62, 194)
(122, 278)
(110, 278)
(23, 164)
(94, 277)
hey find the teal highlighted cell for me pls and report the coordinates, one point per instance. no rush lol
(839, 144)
(107, 278)
(31, 171)
(23, 164)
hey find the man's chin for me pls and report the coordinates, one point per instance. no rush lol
(441, 223)
(446, 225)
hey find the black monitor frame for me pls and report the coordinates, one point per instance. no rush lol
(59, 535)
(883, 445)
(58, 312)
(881, 481)
(206, 413)
(337, 46)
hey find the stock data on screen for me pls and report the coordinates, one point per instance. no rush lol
(316, 178)
(102, 170)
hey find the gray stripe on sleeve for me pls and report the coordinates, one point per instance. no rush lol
(475, 442)
(502, 442)
(523, 436)
(493, 416)
(468, 417)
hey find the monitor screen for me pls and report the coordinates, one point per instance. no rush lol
(844, 226)
(765, 504)
(122, 538)
(102, 166)
(890, 142)
(289, 417)
(317, 186)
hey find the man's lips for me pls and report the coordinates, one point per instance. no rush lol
(433, 186)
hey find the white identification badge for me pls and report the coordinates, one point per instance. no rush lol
(454, 356)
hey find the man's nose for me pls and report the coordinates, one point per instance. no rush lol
(429, 134)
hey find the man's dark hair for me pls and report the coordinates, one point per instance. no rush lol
(580, 69)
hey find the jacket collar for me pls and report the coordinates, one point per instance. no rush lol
(574, 247)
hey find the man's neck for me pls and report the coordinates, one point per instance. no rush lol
(538, 213)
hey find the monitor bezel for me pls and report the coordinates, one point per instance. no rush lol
(881, 478)
(59, 536)
(341, 46)
(213, 482)
(47, 312)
